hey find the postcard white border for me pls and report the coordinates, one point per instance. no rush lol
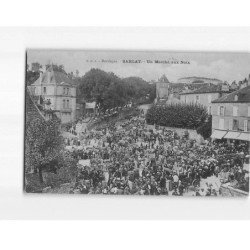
(17, 205)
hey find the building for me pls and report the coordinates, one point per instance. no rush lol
(204, 95)
(245, 82)
(162, 88)
(56, 92)
(234, 86)
(173, 99)
(231, 116)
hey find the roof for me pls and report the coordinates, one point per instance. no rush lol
(163, 78)
(212, 88)
(243, 96)
(54, 77)
(31, 109)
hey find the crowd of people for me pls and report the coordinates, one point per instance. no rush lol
(132, 158)
(96, 116)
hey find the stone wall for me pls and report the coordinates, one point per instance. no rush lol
(232, 192)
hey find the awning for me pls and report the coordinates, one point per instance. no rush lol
(218, 134)
(232, 135)
(244, 137)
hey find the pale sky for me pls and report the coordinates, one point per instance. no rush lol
(224, 66)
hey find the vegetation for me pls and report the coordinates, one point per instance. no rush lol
(107, 89)
(188, 116)
(123, 115)
(32, 74)
(33, 71)
(206, 128)
(110, 91)
(44, 150)
(43, 146)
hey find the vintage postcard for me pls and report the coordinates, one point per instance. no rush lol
(137, 123)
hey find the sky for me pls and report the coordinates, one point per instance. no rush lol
(221, 65)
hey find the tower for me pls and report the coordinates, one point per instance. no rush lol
(162, 88)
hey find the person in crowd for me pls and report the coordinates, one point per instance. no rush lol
(141, 161)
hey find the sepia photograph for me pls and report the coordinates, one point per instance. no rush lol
(124, 124)
(161, 123)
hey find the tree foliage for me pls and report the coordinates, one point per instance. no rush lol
(110, 91)
(36, 66)
(206, 128)
(55, 67)
(189, 116)
(43, 145)
(31, 77)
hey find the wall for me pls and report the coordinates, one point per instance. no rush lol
(38, 89)
(162, 90)
(228, 114)
(73, 105)
(204, 98)
(232, 192)
(65, 117)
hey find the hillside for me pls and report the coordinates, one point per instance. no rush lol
(198, 80)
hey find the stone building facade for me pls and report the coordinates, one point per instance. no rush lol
(204, 95)
(162, 88)
(231, 116)
(57, 92)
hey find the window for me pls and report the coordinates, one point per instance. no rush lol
(209, 97)
(248, 111)
(245, 125)
(64, 104)
(197, 98)
(67, 103)
(67, 91)
(235, 111)
(34, 90)
(185, 99)
(235, 124)
(64, 92)
(222, 111)
(230, 125)
(221, 124)
(44, 90)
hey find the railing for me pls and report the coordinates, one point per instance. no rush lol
(232, 192)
